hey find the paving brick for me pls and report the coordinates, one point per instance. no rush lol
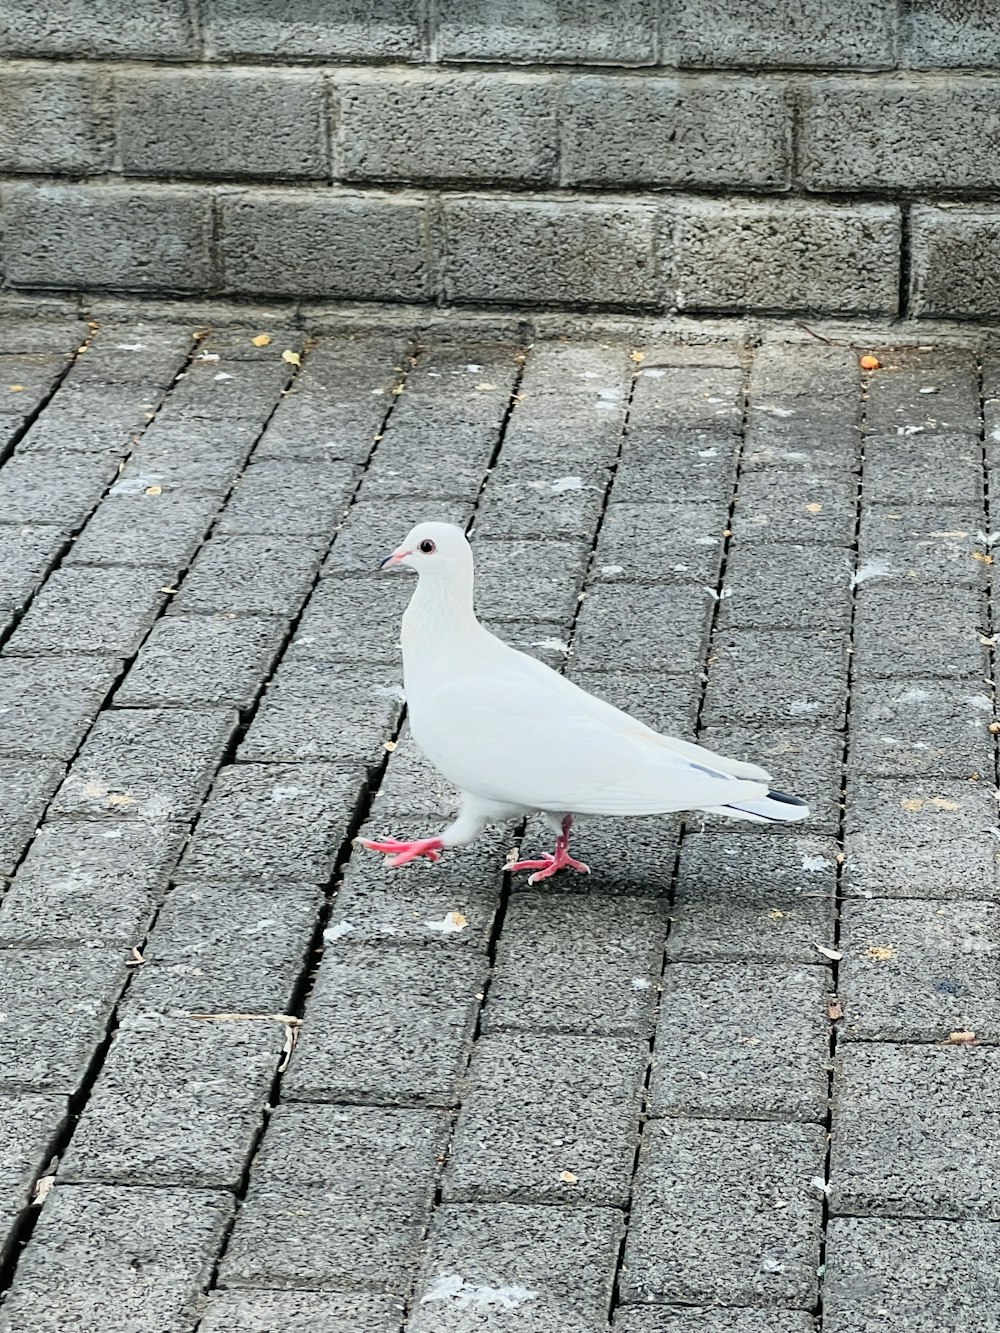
(289, 499)
(747, 1041)
(744, 897)
(919, 391)
(197, 457)
(734, 32)
(28, 787)
(338, 1198)
(27, 379)
(954, 259)
(388, 1025)
(26, 556)
(920, 729)
(935, 1104)
(518, 580)
(59, 434)
(548, 33)
(159, 530)
(206, 660)
(89, 883)
(91, 1243)
(256, 1311)
(676, 401)
(125, 406)
(327, 244)
(551, 1270)
(919, 839)
(164, 114)
(714, 1319)
(919, 970)
(47, 706)
(803, 760)
(924, 471)
(177, 1102)
(930, 1274)
(132, 237)
(665, 703)
(328, 711)
(664, 541)
(392, 32)
(769, 676)
(781, 585)
(616, 625)
(931, 37)
(212, 390)
(689, 466)
(538, 1106)
(251, 575)
(373, 529)
(226, 948)
(58, 1003)
(28, 1126)
(149, 30)
(149, 764)
(353, 620)
(786, 255)
(236, 343)
(527, 252)
(412, 786)
(83, 610)
(47, 326)
(626, 856)
(935, 631)
(72, 136)
(492, 128)
(914, 542)
(544, 499)
(577, 965)
(739, 1188)
(807, 444)
(123, 354)
(698, 133)
(57, 490)
(273, 822)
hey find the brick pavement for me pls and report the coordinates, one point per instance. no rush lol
(249, 1080)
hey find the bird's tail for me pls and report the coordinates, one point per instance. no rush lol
(777, 807)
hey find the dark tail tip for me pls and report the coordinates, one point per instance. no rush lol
(784, 798)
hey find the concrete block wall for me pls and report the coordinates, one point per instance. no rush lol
(717, 156)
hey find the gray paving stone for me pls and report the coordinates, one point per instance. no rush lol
(665, 703)
(550, 1269)
(252, 575)
(917, 839)
(667, 541)
(161, 530)
(523, 580)
(353, 620)
(587, 965)
(325, 710)
(660, 628)
(26, 556)
(626, 856)
(257, 1311)
(130, 406)
(89, 883)
(28, 787)
(58, 489)
(896, 403)
(177, 1102)
(742, 1040)
(129, 1259)
(226, 948)
(374, 528)
(918, 971)
(540, 1106)
(149, 764)
(412, 788)
(91, 610)
(387, 1025)
(718, 1319)
(920, 729)
(780, 585)
(933, 632)
(915, 542)
(808, 442)
(68, 436)
(287, 499)
(26, 379)
(273, 822)
(236, 344)
(746, 896)
(213, 391)
(740, 1189)
(52, 329)
(540, 499)
(57, 1003)
(686, 397)
(884, 1274)
(202, 660)
(802, 375)
(660, 463)
(915, 1131)
(795, 505)
(923, 470)
(28, 1128)
(803, 760)
(195, 457)
(771, 676)
(338, 1197)
(124, 354)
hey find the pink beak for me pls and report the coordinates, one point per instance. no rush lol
(397, 556)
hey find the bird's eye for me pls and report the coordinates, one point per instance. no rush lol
(427, 546)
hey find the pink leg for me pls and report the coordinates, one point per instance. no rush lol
(401, 852)
(550, 864)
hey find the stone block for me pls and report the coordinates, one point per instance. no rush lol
(784, 585)
(159, 530)
(542, 499)
(810, 35)
(956, 259)
(659, 628)
(919, 630)
(667, 541)
(28, 788)
(920, 729)
(289, 499)
(302, 32)
(770, 676)
(83, 610)
(256, 1311)
(251, 575)
(547, 33)
(47, 705)
(149, 31)
(61, 490)
(522, 580)
(933, 36)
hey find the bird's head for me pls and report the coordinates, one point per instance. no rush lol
(437, 550)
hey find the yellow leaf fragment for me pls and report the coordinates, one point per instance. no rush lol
(456, 920)
(940, 803)
(261, 340)
(912, 805)
(982, 558)
(637, 356)
(16, 388)
(486, 386)
(154, 490)
(568, 1178)
(961, 1038)
(813, 508)
(880, 953)
(121, 799)
(291, 357)
(835, 1010)
(43, 1188)
(390, 746)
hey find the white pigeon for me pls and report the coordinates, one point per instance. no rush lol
(516, 737)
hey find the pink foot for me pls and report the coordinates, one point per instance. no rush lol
(549, 865)
(401, 852)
